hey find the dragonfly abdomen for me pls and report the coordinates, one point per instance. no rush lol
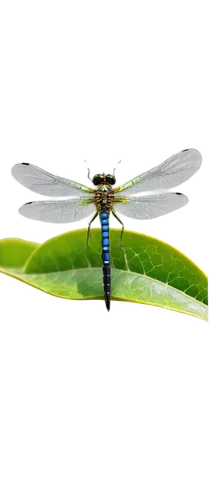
(104, 218)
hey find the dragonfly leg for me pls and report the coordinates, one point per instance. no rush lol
(89, 227)
(122, 230)
(89, 175)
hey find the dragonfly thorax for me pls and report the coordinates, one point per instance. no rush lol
(104, 198)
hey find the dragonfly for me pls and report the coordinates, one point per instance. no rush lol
(105, 199)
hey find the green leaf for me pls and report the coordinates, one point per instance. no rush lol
(14, 254)
(148, 272)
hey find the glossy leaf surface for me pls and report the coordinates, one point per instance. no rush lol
(149, 272)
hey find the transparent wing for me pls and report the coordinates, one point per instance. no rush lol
(58, 211)
(150, 207)
(42, 182)
(171, 173)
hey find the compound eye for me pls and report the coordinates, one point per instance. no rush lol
(97, 179)
(110, 179)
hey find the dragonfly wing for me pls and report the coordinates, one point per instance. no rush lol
(150, 207)
(171, 173)
(42, 182)
(58, 211)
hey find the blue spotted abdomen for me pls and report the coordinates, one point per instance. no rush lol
(104, 218)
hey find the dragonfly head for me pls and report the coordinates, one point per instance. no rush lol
(103, 179)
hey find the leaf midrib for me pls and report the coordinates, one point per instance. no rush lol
(10, 271)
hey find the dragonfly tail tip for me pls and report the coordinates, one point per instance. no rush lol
(108, 305)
